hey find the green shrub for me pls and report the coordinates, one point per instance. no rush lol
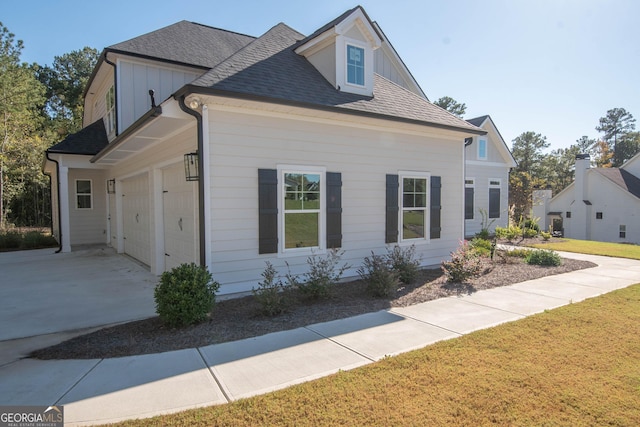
(517, 253)
(529, 232)
(545, 236)
(543, 257)
(10, 240)
(483, 234)
(322, 276)
(270, 292)
(403, 261)
(35, 239)
(381, 278)
(185, 295)
(481, 247)
(464, 264)
(531, 224)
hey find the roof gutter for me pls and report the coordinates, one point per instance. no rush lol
(58, 195)
(190, 89)
(148, 117)
(201, 189)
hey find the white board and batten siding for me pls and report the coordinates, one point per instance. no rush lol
(135, 81)
(241, 144)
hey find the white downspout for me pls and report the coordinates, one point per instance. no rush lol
(206, 173)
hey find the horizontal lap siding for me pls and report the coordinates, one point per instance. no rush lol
(482, 175)
(242, 144)
(88, 226)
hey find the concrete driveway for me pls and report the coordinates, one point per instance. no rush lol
(43, 293)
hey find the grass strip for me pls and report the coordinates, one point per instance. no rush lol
(593, 248)
(576, 365)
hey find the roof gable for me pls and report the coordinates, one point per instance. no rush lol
(269, 69)
(486, 122)
(622, 179)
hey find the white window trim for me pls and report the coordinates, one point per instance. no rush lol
(470, 185)
(427, 216)
(341, 66)
(354, 43)
(498, 186)
(322, 238)
(90, 194)
(486, 149)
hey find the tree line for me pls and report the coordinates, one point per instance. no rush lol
(536, 169)
(39, 106)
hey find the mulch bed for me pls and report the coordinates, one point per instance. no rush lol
(240, 318)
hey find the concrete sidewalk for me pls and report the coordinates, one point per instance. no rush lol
(108, 390)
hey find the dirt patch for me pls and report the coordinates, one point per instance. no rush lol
(239, 318)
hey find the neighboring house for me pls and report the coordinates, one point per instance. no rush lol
(301, 144)
(488, 162)
(602, 204)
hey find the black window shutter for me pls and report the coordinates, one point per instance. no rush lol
(268, 211)
(468, 202)
(436, 207)
(334, 209)
(391, 226)
(494, 203)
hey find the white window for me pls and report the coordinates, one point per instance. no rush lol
(495, 187)
(302, 192)
(482, 149)
(623, 231)
(414, 206)
(84, 198)
(110, 120)
(355, 65)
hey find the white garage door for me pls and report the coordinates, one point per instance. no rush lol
(135, 218)
(179, 207)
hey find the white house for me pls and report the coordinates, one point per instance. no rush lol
(602, 204)
(488, 162)
(301, 144)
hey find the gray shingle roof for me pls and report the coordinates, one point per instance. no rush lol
(477, 121)
(186, 43)
(269, 69)
(89, 141)
(622, 178)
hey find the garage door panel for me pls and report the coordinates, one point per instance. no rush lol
(179, 217)
(135, 218)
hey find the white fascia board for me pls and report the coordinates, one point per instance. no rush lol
(317, 43)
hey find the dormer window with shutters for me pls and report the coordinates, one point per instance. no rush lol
(343, 52)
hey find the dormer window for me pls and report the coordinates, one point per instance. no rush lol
(355, 65)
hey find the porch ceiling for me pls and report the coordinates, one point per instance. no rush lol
(151, 129)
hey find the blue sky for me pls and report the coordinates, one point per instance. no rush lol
(549, 66)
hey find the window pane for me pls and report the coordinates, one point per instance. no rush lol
(301, 230)
(83, 187)
(468, 203)
(302, 191)
(408, 201)
(355, 65)
(482, 148)
(84, 201)
(494, 203)
(413, 224)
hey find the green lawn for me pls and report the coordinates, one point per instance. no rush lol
(593, 248)
(576, 366)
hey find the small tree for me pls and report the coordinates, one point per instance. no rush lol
(451, 105)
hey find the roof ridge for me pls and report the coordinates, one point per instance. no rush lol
(219, 29)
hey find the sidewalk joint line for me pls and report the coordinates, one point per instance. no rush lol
(78, 382)
(218, 382)
(338, 343)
